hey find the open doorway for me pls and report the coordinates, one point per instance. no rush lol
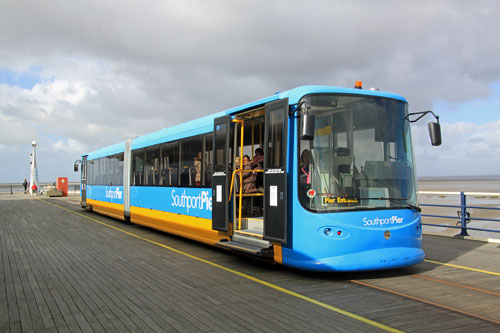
(247, 185)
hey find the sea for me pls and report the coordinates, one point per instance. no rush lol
(485, 200)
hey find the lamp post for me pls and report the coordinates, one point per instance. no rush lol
(34, 170)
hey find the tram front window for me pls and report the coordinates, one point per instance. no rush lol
(361, 155)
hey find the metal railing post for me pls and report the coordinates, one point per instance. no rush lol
(463, 214)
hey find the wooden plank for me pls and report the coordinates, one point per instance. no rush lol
(35, 321)
(77, 275)
(4, 315)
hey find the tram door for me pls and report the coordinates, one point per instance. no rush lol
(220, 207)
(275, 177)
(83, 186)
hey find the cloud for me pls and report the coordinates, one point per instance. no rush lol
(467, 149)
(107, 73)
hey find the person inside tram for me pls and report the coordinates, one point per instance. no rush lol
(248, 176)
(197, 167)
(258, 159)
(304, 174)
(237, 163)
(258, 164)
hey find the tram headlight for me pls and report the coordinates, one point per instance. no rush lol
(333, 232)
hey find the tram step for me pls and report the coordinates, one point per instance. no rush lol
(252, 240)
(252, 223)
(246, 248)
(255, 223)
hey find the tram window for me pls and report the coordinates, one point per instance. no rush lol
(275, 156)
(366, 148)
(102, 171)
(191, 161)
(91, 172)
(341, 140)
(97, 169)
(118, 169)
(152, 166)
(90, 180)
(96, 172)
(138, 167)
(169, 164)
(110, 167)
(220, 145)
(110, 170)
(207, 162)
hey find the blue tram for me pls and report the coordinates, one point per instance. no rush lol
(317, 178)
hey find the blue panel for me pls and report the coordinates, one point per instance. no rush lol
(356, 240)
(110, 150)
(190, 128)
(185, 201)
(376, 259)
(112, 194)
(254, 104)
(296, 94)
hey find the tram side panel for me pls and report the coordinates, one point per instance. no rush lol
(106, 200)
(184, 212)
(181, 211)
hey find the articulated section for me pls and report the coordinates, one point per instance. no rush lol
(127, 165)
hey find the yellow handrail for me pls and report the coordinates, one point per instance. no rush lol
(241, 122)
(241, 170)
(232, 179)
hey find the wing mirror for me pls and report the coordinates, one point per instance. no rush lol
(75, 166)
(434, 127)
(435, 133)
(307, 124)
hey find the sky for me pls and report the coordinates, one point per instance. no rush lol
(80, 75)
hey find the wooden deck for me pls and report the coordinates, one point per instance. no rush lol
(65, 269)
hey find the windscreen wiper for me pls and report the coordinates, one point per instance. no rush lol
(400, 200)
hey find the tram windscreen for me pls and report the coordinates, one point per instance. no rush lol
(361, 156)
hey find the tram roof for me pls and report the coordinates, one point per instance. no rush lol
(205, 124)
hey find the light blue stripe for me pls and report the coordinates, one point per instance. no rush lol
(205, 124)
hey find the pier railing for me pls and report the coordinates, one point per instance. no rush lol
(73, 187)
(463, 214)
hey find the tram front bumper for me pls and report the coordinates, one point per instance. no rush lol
(377, 259)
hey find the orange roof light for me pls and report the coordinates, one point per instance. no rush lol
(358, 85)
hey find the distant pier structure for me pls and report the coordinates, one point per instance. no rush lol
(34, 170)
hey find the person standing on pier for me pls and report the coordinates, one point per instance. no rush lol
(25, 184)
